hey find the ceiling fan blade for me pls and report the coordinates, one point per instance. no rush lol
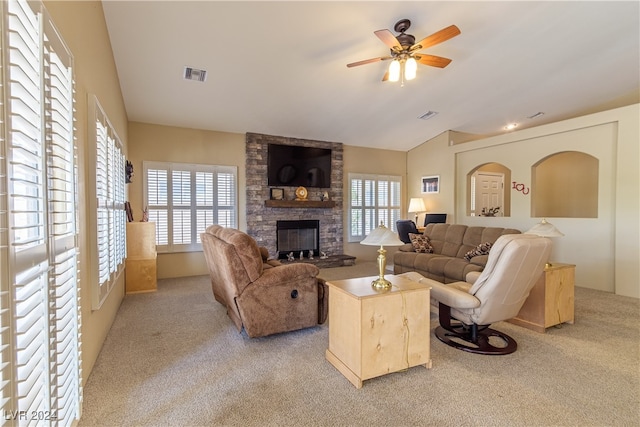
(386, 76)
(435, 38)
(388, 39)
(368, 61)
(434, 61)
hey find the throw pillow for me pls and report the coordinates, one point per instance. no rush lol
(420, 243)
(481, 249)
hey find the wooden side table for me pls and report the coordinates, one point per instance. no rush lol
(140, 265)
(551, 301)
(373, 333)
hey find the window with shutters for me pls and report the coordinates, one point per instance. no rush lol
(373, 199)
(184, 199)
(108, 205)
(40, 359)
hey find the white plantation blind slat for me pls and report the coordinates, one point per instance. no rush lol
(190, 197)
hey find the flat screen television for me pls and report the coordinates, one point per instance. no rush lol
(292, 165)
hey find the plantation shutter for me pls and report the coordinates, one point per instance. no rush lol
(158, 204)
(62, 189)
(373, 199)
(204, 202)
(190, 197)
(109, 203)
(226, 199)
(27, 211)
(40, 317)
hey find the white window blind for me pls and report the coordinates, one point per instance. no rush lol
(372, 199)
(108, 206)
(39, 313)
(184, 199)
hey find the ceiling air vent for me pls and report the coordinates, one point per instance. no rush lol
(536, 115)
(195, 74)
(428, 115)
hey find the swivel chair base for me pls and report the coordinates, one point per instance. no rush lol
(472, 338)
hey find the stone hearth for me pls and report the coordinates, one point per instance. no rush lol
(262, 219)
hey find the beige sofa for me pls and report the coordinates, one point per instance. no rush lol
(450, 243)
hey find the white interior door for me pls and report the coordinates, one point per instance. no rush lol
(489, 192)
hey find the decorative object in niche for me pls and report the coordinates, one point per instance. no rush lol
(127, 209)
(145, 215)
(128, 172)
(430, 184)
(490, 211)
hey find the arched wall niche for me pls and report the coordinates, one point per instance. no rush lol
(565, 185)
(486, 175)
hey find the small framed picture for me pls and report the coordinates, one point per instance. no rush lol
(430, 184)
(277, 194)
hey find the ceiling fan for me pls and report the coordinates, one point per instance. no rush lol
(405, 53)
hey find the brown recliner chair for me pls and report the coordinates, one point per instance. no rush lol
(263, 296)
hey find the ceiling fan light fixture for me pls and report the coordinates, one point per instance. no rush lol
(394, 71)
(410, 68)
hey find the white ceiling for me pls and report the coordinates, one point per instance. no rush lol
(279, 68)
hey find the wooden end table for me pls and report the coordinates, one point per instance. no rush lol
(551, 300)
(373, 333)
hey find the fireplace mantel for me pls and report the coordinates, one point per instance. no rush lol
(302, 204)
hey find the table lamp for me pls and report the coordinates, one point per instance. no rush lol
(416, 205)
(382, 236)
(545, 229)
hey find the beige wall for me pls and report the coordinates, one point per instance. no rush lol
(374, 161)
(605, 249)
(83, 28)
(150, 142)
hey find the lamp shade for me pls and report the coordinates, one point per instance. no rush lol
(410, 68)
(416, 204)
(394, 71)
(382, 236)
(544, 229)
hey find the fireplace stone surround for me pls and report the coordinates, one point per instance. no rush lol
(262, 220)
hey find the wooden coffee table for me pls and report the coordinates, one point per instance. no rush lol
(373, 333)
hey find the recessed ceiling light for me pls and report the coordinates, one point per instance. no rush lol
(511, 126)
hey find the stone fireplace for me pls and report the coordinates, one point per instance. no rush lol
(262, 220)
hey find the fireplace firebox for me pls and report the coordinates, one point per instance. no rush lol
(297, 236)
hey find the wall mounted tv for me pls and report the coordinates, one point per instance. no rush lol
(292, 165)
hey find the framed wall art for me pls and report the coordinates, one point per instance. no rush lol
(430, 184)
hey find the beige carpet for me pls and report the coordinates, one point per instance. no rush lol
(173, 358)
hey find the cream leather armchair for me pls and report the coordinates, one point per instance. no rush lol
(466, 310)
